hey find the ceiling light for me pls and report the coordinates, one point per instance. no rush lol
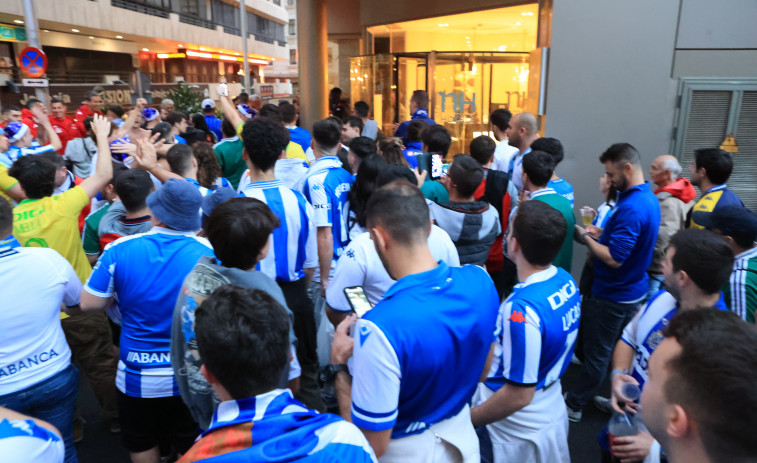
(517, 24)
(119, 36)
(181, 46)
(91, 37)
(18, 21)
(74, 30)
(145, 49)
(527, 13)
(443, 25)
(202, 49)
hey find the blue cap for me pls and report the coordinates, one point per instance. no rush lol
(177, 204)
(15, 130)
(149, 114)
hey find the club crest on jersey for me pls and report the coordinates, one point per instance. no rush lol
(365, 331)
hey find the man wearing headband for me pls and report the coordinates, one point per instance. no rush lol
(151, 117)
(22, 142)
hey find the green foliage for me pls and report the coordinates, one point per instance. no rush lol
(186, 98)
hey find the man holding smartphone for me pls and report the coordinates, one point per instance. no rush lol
(397, 394)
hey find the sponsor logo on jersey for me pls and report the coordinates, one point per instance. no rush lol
(148, 357)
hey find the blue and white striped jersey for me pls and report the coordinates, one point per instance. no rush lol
(144, 273)
(644, 332)
(537, 329)
(14, 152)
(562, 188)
(326, 188)
(24, 440)
(293, 244)
(220, 182)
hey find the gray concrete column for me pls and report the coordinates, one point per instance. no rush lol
(312, 40)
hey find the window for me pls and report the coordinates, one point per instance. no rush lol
(292, 56)
(292, 27)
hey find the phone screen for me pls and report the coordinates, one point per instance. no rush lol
(436, 166)
(358, 300)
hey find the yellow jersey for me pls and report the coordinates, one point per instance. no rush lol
(6, 183)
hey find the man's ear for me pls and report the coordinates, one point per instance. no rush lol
(679, 423)
(379, 235)
(208, 375)
(245, 156)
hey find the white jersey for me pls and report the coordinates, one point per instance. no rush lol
(360, 265)
(502, 155)
(24, 441)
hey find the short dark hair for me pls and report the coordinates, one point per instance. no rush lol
(243, 339)
(415, 130)
(264, 139)
(164, 129)
(421, 98)
(238, 229)
(395, 172)
(35, 174)
(466, 174)
(354, 122)
(363, 147)
(540, 230)
(716, 162)
(56, 100)
(501, 118)
(400, 208)
(6, 219)
(327, 133)
(9, 108)
(55, 158)
(482, 149)
(90, 94)
(437, 139)
(132, 187)
(179, 158)
(243, 97)
(551, 146)
(539, 167)
(717, 363)
(288, 112)
(705, 256)
(621, 152)
(227, 129)
(270, 111)
(174, 117)
(118, 110)
(31, 102)
(362, 109)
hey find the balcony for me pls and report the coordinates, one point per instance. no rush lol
(159, 8)
(195, 21)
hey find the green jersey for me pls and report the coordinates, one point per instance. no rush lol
(229, 153)
(564, 258)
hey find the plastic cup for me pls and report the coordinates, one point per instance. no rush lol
(587, 215)
(630, 392)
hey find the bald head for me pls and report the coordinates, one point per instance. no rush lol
(664, 170)
(523, 130)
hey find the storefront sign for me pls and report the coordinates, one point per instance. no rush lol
(459, 101)
(12, 33)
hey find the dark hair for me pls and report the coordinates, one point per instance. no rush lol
(9, 108)
(551, 146)
(365, 184)
(288, 113)
(713, 378)
(400, 208)
(327, 133)
(415, 130)
(208, 168)
(132, 187)
(238, 229)
(362, 109)
(243, 97)
(118, 110)
(6, 219)
(179, 158)
(392, 173)
(391, 150)
(227, 128)
(436, 138)
(354, 122)
(56, 100)
(482, 149)
(243, 339)
(175, 117)
(31, 102)
(705, 256)
(55, 158)
(716, 162)
(621, 152)
(501, 118)
(363, 147)
(540, 230)
(421, 98)
(35, 174)
(164, 129)
(264, 140)
(88, 127)
(199, 122)
(90, 94)
(466, 174)
(538, 166)
(270, 111)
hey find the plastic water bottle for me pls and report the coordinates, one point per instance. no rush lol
(622, 425)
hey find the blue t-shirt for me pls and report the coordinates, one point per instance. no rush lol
(419, 353)
(300, 136)
(402, 129)
(630, 234)
(326, 188)
(537, 329)
(214, 124)
(562, 188)
(144, 273)
(414, 148)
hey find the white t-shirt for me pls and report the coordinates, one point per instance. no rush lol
(360, 265)
(502, 155)
(35, 281)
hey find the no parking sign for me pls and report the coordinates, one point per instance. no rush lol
(33, 62)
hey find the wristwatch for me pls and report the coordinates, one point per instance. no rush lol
(329, 372)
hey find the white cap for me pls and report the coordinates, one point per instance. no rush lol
(207, 103)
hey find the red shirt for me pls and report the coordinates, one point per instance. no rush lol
(66, 129)
(82, 113)
(28, 118)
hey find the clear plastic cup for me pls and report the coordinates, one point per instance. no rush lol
(630, 392)
(587, 215)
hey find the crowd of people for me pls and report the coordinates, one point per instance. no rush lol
(241, 288)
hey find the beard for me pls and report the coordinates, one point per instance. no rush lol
(622, 184)
(673, 290)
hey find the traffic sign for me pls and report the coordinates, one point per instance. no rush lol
(33, 62)
(35, 82)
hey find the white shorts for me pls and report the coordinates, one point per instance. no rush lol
(537, 433)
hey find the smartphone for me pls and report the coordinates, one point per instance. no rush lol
(358, 300)
(437, 166)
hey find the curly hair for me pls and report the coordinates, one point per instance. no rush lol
(391, 149)
(208, 169)
(264, 139)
